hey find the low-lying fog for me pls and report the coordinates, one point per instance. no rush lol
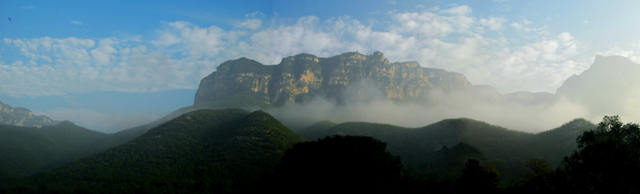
(364, 102)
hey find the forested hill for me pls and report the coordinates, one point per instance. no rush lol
(507, 149)
(206, 150)
(27, 150)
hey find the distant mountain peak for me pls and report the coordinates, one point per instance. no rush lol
(22, 117)
(606, 86)
(612, 62)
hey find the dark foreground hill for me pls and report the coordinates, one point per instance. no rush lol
(424, 148)
(207, 151)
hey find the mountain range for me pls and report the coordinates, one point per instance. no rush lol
(233, 150)
(607, 87)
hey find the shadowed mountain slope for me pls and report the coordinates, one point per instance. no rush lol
(202, 151)
(27, 150)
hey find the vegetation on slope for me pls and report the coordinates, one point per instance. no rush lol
(27, 150)
(507, 149)
(202, 151)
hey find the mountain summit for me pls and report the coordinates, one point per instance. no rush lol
(298, 78)
(607, 87)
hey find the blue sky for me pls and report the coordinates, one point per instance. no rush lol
(109, 65)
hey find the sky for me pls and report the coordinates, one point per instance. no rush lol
(110, 65)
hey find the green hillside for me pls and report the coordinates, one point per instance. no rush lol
(556, 143)
(241, 100)
(28, 150)
(202, 151)
(506, 149)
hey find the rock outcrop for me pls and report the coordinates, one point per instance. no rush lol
(298, 78)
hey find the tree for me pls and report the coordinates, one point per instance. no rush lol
(476, 177)
(538, 166)
(607, 159)
(341, 163)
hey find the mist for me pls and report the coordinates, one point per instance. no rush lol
(364, 102)
(103, 122)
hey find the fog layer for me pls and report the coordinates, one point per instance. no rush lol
(364, 102)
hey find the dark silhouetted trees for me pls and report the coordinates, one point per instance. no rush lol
(538, 166)
(476, 177)
(607, 159)
(341, 164)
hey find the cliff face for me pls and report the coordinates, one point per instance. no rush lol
(22, 117)
(298, 78)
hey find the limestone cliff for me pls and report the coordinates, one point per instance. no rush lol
(22, 117)
(298, 78)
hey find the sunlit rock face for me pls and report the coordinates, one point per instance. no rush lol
(297, 79)
(22, 117)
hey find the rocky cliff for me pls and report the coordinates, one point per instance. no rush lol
(22, 117)
(298, 78)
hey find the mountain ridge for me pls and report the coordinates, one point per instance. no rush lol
(298, 78)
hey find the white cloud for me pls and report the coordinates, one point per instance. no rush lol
(27, 7)
(250, 24)
(492, 22)
(182, 53)
(420, 6)
(76, 22)
(565, 37)
(391, 2)
(254, 14)
(459, 10)
(426, 23)
(59, 66)
(585, 21)
(195, 42)
(516, 25)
